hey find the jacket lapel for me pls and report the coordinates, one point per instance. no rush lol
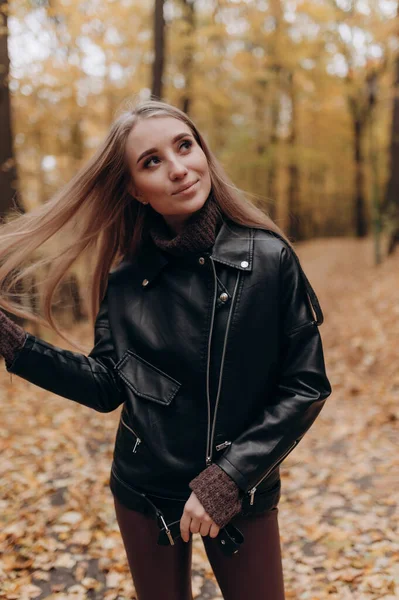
(233, 247)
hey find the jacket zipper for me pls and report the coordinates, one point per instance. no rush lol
(223, 445)
(156, 509)
(211, 430)
(138, 440)
(274, 465)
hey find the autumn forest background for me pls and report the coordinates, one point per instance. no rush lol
(300, 102)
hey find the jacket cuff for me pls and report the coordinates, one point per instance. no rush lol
(12, 338)
(218, 493)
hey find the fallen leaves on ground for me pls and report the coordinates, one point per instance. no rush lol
(338, 512)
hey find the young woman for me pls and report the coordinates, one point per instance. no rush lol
(206, 331)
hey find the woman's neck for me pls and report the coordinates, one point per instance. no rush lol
(197, 234)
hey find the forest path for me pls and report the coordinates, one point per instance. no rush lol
(338, 513)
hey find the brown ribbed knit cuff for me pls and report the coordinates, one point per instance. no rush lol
(218, 494)
(12, 338)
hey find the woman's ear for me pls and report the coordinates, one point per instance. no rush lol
(133, 191)
(131, 188)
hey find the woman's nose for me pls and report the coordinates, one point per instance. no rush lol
(177, 169)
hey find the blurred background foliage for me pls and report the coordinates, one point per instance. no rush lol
(298, 99)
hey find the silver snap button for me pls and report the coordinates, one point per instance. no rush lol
(223, 542)
(145, 282)
(201, 260)
(244, 264)
(224, 297)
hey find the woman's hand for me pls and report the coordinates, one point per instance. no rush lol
(195, 519)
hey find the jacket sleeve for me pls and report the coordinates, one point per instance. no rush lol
(88, 380)
(301, 386)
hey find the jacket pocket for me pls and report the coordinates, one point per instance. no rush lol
(136, 440)
(145, 380)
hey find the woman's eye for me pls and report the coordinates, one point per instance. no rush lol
(147, 162)
(154, 157)
(189, 142)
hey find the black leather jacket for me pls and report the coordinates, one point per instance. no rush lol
(216, 357)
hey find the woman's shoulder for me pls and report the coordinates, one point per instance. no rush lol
(264, 239)
(118, 271)
(133, 267)
(269, 237)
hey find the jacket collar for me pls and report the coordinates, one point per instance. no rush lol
(233, 247)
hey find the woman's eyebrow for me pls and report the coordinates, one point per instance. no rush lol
(151, 150)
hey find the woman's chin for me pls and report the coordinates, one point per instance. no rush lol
(191, 205)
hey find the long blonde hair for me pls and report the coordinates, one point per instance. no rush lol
(94, 219)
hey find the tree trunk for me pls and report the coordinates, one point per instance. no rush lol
(188, 62)
(8, 172)
(392, 193)
(360, 204)
(273, 50)
(159, 50)
(272, 163)
(259, 99)
(294, 225)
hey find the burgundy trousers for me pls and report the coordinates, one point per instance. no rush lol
(165, 571)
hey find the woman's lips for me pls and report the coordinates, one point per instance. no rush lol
(187, 190)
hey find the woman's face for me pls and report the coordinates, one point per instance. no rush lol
(164, 157)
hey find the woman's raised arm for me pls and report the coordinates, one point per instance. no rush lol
(88, 380)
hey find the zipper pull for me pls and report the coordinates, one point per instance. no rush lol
(167, 530)
(138, 442)
(223, 445)
(172, 543)
(251, 495)
(208, 461)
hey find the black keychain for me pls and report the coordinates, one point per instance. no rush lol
(229, 537)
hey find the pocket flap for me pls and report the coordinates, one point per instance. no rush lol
(145, 380)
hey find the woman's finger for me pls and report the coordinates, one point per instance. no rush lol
(204, 528)
(195, 525)
(185, 526)
(214, 530)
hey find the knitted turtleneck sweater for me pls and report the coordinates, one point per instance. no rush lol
(198, 234)
(217, 492)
